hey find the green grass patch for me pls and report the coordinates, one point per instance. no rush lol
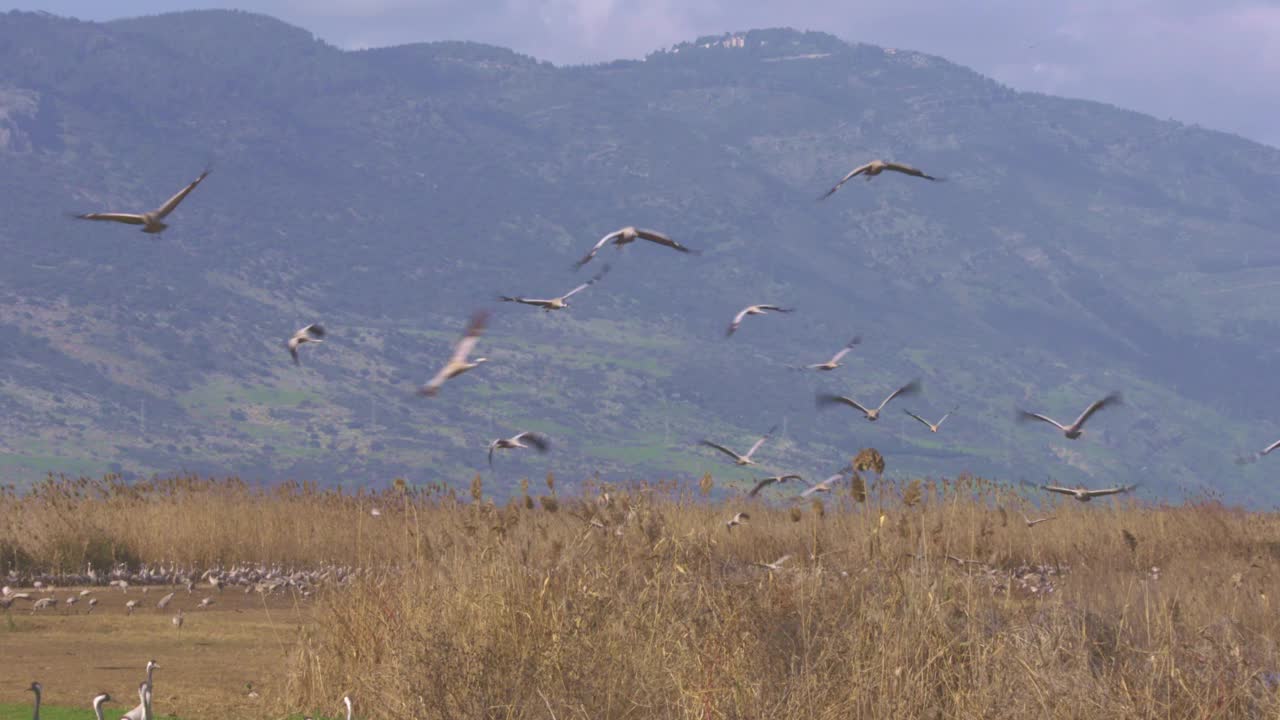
(52, 463)
(20, 711)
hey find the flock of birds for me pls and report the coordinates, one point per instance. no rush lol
(143, 711)
(461, 361)
(266, 580)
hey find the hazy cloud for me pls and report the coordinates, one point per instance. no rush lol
(1213, 63)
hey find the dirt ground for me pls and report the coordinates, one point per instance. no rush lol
(205, 667)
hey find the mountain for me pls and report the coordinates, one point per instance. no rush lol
(1074, 249)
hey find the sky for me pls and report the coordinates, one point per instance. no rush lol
(1210, 62)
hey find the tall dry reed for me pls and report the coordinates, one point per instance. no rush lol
(922, 600)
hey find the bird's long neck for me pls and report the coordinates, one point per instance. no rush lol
(35, 711)
(97, 708)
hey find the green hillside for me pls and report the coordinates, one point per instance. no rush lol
(1075, 248)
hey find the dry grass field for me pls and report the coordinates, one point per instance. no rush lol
(204, 667)
(902, 600)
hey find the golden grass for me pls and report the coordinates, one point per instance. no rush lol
(649, 607)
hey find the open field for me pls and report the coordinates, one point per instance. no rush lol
(922, 599)
(204, 667)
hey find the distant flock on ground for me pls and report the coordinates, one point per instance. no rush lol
(265, 580)
(461, 360)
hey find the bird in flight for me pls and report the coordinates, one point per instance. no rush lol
(763, 483)
(824, 486)
(874, 168)
(517, 442)
(1037, 521)
(311, 333)
(933, 427)
(737, 519)
(741, 459)
(1075, 429)
(872, 414)
(834, 362)
(458, 362)
(153, 221)
(775, 566)
(556, 303)
(753, 310)
(1084, 494)
(1255, 456)
(628, 235)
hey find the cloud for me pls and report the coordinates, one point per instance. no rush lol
(1208, 62)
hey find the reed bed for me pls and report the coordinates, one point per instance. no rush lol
(921, 599)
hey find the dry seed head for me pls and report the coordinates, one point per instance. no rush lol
(549, 503)
(911, 496)
(1130, 539)
(869, 459)
(796, 514)
(858, 488)
(706, 484)
(477, 487)
(818, 508)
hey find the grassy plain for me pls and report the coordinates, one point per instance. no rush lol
(922, 599)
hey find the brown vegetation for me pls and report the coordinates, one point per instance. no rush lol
(646, 606)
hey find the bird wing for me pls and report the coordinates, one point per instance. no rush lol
(910, 388)
(824, 400)
(1267, 450)
(824, 486)
(596, 248)
(537, 440)
(435, 383)
(469, 338)
(314, 331)
(1057, 489)
(656, 237)
(762, 484)
(846, 349)
(293, 350)
(775, 308)
(949, 412)
(172, 202)
(721, 448)
(852, 174)
(492, 446)
(737, 320)
(1110, 491)
(126, 218)
(760, 442)
(924, 422)
(525, 301)
(603, 271)
(908, 170)
(1024, 416)
(1095, 407)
